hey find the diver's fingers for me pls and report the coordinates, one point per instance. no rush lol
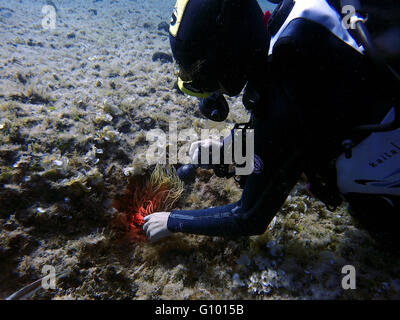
(146, 218)
(146, 226)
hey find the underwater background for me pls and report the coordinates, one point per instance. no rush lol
(76, 103)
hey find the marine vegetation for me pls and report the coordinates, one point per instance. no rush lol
(144, 195)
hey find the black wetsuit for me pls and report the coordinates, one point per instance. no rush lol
(317, 89)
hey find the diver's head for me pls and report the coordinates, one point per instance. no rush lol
(217, 44)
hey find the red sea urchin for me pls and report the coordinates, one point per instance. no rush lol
(145, 195)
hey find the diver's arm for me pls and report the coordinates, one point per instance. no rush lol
(237, 219)
(218, 221)
(279, 144)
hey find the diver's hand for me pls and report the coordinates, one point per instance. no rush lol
(205, 146)
(156, 225)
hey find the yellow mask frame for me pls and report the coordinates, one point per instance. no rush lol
(186, 87)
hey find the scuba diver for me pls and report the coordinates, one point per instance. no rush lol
(323, 97)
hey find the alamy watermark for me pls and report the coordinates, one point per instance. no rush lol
(349, 280)
(351, 18)
(49, 279)
(50, 17)
(238, 147)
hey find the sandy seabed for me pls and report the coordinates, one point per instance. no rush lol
(76, 103)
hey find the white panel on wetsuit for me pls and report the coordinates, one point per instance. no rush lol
(322, 13)
(374, 167)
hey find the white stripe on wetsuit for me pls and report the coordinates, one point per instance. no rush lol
(321, 12)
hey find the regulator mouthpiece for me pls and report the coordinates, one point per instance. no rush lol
(215, 107)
